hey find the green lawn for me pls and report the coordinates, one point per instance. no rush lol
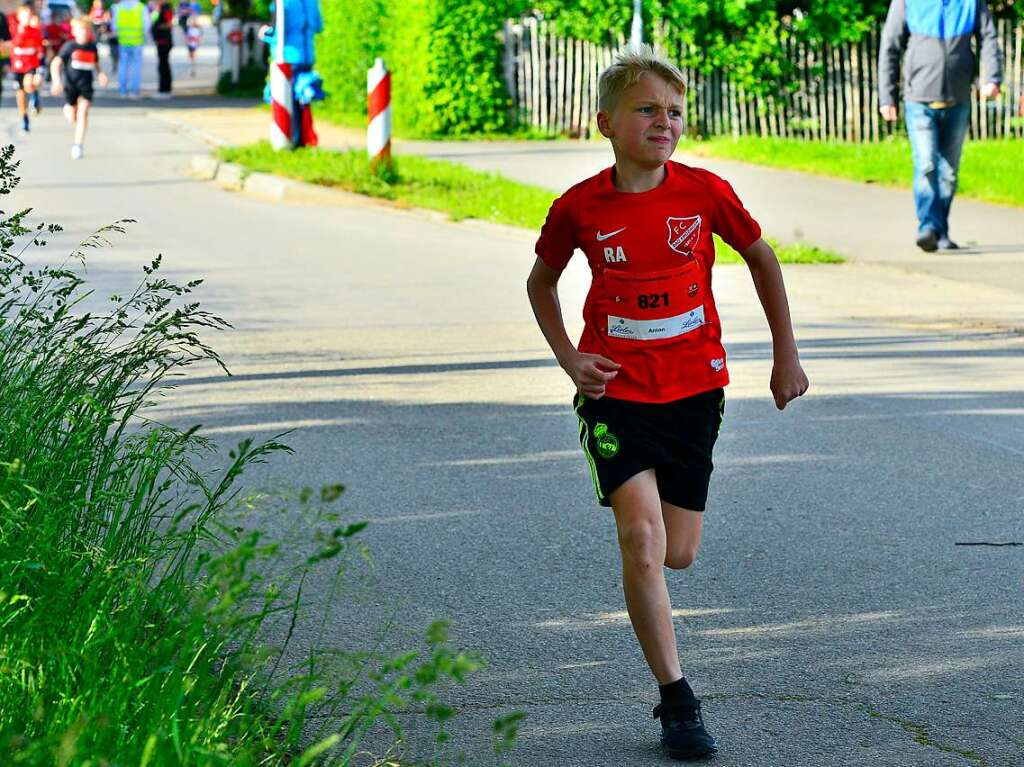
(989, 170)
(455, 189)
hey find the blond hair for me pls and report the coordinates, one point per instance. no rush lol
(626, 70)
(83, 22)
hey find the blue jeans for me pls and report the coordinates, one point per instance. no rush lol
(936, 138)
(129, 70)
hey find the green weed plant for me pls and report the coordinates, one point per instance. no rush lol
(135, 599)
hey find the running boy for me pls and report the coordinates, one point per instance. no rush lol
(26, 59)
(193, 37)
(650, 367)
(72, 73)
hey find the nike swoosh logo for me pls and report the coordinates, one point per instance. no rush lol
(603, 237)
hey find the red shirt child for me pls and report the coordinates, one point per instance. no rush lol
(26, 49)
(664, 330)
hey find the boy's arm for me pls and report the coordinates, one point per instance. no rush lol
(585, 370)
(788, 378)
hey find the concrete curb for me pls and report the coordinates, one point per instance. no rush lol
(231, 176)
(204, 167)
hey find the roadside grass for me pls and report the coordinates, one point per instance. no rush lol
(989, 170)
(437, 185)
(417, 181)
(144, 619)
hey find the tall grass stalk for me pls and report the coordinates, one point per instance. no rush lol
(134, 606)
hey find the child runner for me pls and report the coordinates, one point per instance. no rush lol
(193, 36)
(72, 73)
(650, 366)
(26, 59)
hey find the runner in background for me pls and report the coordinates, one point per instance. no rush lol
(5, 50)
(72, 73)
(26, 59)
(193, 37)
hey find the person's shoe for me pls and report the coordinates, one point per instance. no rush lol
(25, 124)
(683, 733)
(944, 243)
(927, 241)
(76, 151)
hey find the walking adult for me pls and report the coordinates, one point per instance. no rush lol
(130, 19)
(938, 69)
(163, 37)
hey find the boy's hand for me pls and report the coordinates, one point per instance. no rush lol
(103, 79)
(591, 373)
(56, 87)
(788, 381)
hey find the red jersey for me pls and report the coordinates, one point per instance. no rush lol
(650, 306)
(26, 49)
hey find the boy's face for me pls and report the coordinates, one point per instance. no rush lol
(81, 33)
(24, 14)
(645, 125)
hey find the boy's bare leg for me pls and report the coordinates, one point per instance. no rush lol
(70, 114)
(642, 541)
(22, 99)
(683, 529)
(83, 120)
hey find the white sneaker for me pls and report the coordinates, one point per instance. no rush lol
(76, 151)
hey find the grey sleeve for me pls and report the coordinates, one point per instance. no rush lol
(890, 51)
(988, 41)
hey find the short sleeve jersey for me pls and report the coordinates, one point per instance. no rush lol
(81, 61)
(27, 49)
(648, 232)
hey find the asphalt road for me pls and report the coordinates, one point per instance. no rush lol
(831, 618)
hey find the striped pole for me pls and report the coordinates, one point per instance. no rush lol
(282, 95)
(378, 135)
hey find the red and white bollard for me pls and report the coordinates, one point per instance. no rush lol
(378, 135)
(282, 95)
(282, 106)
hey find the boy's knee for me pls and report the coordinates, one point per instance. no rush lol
(642, 548)
(681, 558)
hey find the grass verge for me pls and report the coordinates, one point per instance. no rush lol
(144, 618)
(989, 170)
(455, 189)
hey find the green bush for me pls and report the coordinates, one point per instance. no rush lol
(444, 56)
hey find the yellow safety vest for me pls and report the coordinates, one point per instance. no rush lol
(129, 25)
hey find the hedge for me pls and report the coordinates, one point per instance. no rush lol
(444, 56)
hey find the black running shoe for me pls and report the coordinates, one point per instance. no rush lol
(682, 731)
(945, 243)
(927, 241)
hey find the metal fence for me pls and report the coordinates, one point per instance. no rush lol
(833, 94)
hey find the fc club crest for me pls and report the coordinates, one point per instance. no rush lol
(683, 233)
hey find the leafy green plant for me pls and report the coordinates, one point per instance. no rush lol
(137, 596)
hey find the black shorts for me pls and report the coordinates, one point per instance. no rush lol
(622, 438)
(73, 93)
(19, 79)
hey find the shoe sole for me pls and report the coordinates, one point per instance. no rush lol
(928, 242)
(702, 753)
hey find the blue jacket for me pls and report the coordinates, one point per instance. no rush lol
(936, 36)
